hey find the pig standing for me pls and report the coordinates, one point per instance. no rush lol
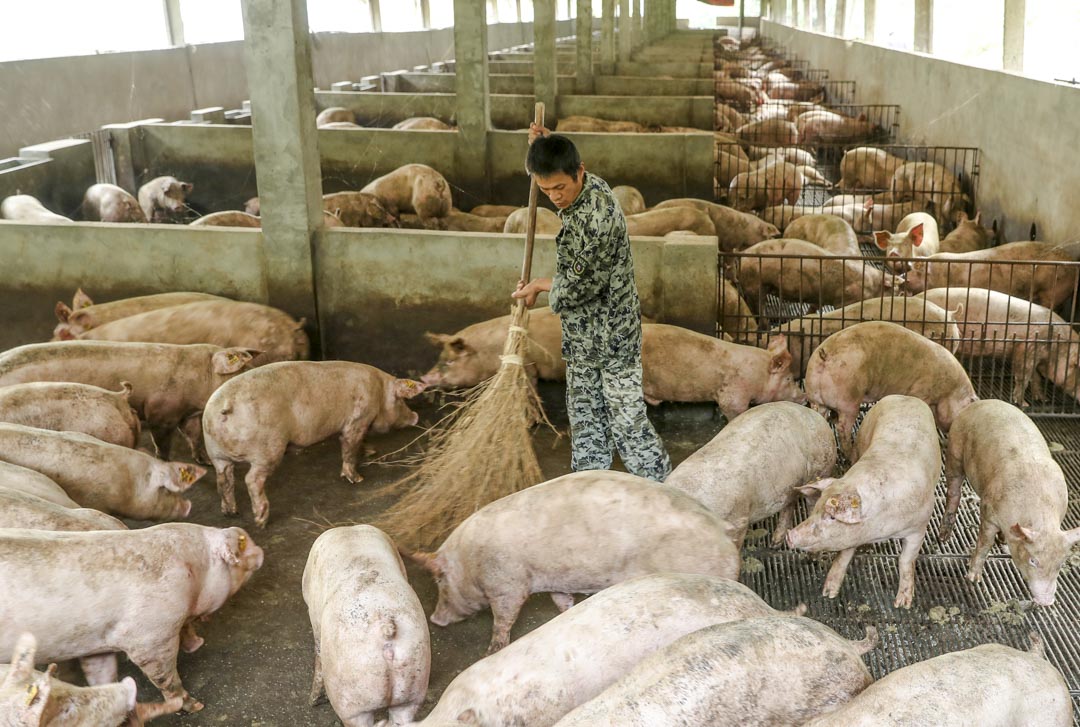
(871, 360)
(127, 590)
(21, 510)
(750, 470)
(14, 478)
(867, 168)
(65, 407)
(255, 417)
(968, 235)
(84, 314)
(887, 493)
(547, 222)
(575, 656)
(372, 649)
(579, 533)
(659, 222)
(989, 686)
(109, 203)
(915, 236)
(681, 365)
(413, 188)
(829, 232)
(735, 230)
(162, 199)
(781, 670)
(24, 208)
(358, 209)
(101, 475)
(630, 199)
(766, 187)
(1022, 493)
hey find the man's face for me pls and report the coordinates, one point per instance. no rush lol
(561, 188)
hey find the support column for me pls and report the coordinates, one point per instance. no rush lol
(277, 54)
(376, 15)
(1013, 45)
(840, 22)
(924, 26)
(425, 14)
(626, 32)
(473, 98)
(869, 19)
(544, 59)
(607, 38)
(742, 17)
(517, 8)
(819, 17)
(639, 24)
(583, 69)
(174, 22)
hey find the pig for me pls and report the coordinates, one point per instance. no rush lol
(780, 670)
(682, 130)
(109, 203)
(771, 132)
(928, 319)
(915, 236)
(340, 125)
(593, 124)
(570, 535)
(782, 215)
(228, 218)
(125, 590)
(968, 236)
(871, 360)
(727, 118)
(887, 493)
(991, 686)
(630, 199)
(829, 232)
(735, 230)
(736, 318)
(358, 209)
(253, 207)
(423, 123)
(828, 127)
(791, 154)
(728, 167)
(254, 417)
(1046, 284)
(929, 181)
(457, 221)
(739, 476)
(1035, 340)
(543, 675)
(334, 113)
(681, 365)
(162, 198)
(727, 92)
(171, 383)
(867, 168)
(547, 222)
(413, 188)
(796, 90)
(26, 481)
(84, 314)
(103, 476)
(20, 510)
(659, 222)
(812, 177)
(372, 648)
(24, 208)
(1022, 493)
(225, 323)
(67, 407)
(765, 187)
(493, 210)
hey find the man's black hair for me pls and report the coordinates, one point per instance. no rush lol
(551, 154)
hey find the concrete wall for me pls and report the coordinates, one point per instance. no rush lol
(1026, 129)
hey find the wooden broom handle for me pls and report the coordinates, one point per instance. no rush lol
(530, 230)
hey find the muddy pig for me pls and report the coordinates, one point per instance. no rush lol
(84, 314)
(66, 407)
(162, 199)
(780, 670)
(915, 236)
(109, 203)
(572, 535)
(659, 222)
(867, 168)
(372, 648)
(888, 492)
(735, 230)
(829, 232)
(543, 675)
(413, 188)
(990, 686)
(300, 403)
(766, 187)
(334, 114)
(164, 576)
(103, 476)
(24, 208)
(682, 365)
(547, 222)
(968, 235)
(423, 123)
(739, 476)
(630, 199)
(358, 209)
(228, 218)
(1022, 493)
(871, 360)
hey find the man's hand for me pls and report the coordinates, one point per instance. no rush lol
(535, 132)
(531, 290)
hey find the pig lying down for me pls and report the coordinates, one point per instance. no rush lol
(21, 510)
(84, 314)
(24, 208)
(579, 533)
(63, 407)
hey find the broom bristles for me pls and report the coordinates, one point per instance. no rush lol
(482, 452)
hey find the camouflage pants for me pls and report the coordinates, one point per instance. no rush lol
(607, 411)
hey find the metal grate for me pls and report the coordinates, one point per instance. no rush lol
(104, 161)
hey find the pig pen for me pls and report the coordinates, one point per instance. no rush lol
(949, 613)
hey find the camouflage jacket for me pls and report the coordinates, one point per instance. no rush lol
(593, 289)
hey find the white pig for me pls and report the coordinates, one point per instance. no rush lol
(68, 407)
(915, 236)
(829, 232)
(14, 478)
(21, 510)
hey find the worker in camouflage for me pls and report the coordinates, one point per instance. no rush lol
(596, 297)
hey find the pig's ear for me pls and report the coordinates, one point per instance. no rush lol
(22, 661)
(916, 234)
(978, 217)
(62, 311)
(813, 489)
(300, 324)
(467, 717)
(37, 696)
(407, 388)
(183, 475)
(438, 339)
(780, 362)
(458, 344)
(1024, 533)
(230, 546)
(881, 238)
(845, 508)
(81, 300)
(232, 360)
(186, 187)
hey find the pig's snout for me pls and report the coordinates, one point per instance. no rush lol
(412, 419)
(255, 557)
(432, 378)
(1044, 594)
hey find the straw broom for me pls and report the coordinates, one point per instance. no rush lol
(483, 451)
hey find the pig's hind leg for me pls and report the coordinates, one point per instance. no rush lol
(505, 609)
(905, 593)
(352, 439)
(191, 429)
(99, 669)
(988, 532)
(835, 579)
(317, 686)
(158, 662)
(404, 714)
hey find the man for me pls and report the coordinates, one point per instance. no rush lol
(595, 294)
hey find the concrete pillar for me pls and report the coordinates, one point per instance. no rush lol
(639, 23)
(607, 38)
(425, 14)
(626, 31)
(1013, 45)
(924, 26)
(544, 60)
(517, 9)
(277, 55)
(174, 22)
(869, 19)
(840, 22)
(819, 17)
(473, 101)
(583, 70)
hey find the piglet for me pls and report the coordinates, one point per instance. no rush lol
(300, 403)
(66, 407)
(372, 649)
(750, 470)
(887, 493)
(579, 533)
